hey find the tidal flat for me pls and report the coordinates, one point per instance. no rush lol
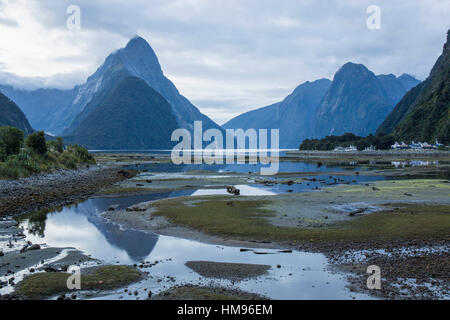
(308, 232)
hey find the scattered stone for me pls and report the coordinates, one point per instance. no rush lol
(354, 213)
(33, 247)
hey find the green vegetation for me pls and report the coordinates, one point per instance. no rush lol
(424, 112)
(47, 284)
(206, 293)
(330, 142)
(247, 220)
(36, 142)
(11, 139)
(21, 157)
(230, 271)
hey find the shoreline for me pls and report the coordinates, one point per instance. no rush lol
(385, 155)
(58, 188)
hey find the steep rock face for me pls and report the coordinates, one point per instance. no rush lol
(43, 107)
(292, 116)
(139, 60)
(60, 111)
(131, 116)
(424, 113)
(397, 87)
(357, 102)
(12, 116)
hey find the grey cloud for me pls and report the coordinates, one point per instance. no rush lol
(246, 47)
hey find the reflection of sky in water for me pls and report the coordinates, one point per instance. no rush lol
(284, 166)
(301, 276)
(245, 190)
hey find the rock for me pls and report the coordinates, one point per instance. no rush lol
(136, 293)
(113, 207)
(149, 294)
(233, 190)
(1, 254)
(50, 269)
(148, 181)
(135, 209)
(33, 247)
(74, 296)
(354, 213)
(139, 185)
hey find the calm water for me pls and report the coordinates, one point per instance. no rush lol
(302, 275)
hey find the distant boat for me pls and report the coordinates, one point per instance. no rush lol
(416, 146)
(371, 148)
(347, 149)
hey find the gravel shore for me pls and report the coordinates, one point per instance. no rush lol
(54, 189)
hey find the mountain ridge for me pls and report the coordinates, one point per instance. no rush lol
(290, 115)
(424, 112)
(357, 101)
(12, 116)
(130, 101)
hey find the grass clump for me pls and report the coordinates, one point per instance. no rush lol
(206, 293)
(21, 157)
(47, 284)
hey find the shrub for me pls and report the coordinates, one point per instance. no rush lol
(68, 160)
(2, 152)
(36, 142)
(56, 145)
(80, 152)
(11, 140)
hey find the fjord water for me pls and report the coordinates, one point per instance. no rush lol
(302, 275)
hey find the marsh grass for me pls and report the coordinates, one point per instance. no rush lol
(247, 220)
(47, 284)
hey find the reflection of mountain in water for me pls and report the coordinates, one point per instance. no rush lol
(137, 244)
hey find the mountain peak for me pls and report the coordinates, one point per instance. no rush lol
(137, 41)
(352, 67)
(407, 77)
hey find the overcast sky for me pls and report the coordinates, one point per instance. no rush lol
(227, 57)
